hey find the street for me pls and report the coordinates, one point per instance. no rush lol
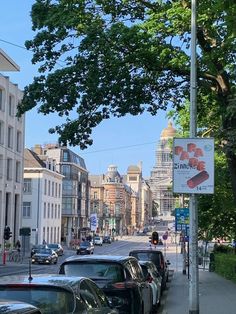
(217, 295)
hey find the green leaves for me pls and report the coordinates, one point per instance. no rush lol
(111, 58)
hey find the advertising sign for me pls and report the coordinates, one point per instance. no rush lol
(93, 222)
(193, 165)
(182, 219)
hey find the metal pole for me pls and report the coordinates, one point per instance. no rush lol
(193, 224)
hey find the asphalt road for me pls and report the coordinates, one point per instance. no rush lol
(120, 247)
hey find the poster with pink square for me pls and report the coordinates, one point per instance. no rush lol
(193, 165)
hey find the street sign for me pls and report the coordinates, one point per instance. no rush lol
(181, 219)
(165, 236)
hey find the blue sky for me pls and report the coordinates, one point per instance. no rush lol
(123, 142)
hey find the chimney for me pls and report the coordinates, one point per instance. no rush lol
(38, 149)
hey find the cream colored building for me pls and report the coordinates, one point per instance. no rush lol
(161, 174)
(11, 151)
(42, 199)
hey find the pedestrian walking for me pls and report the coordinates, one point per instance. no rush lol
(18, 245)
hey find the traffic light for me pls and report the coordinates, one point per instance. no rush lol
(7, 233)
(155, 238)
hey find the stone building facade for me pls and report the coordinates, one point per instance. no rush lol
(161, 175)
(11, 151)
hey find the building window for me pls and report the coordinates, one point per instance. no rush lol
(117, 208)
(52, 211)
(56, 189)
(95, 195)
(48, 210)
(133, 178)
(19, 141)
(52, 188)
(55, 210)
(44, 210)
(66, 156)
(1, 100)
(1, 166)
(59, 211)
(59, 190)
(9, 169)
(10, 137)
(18, 171)
(26, 209)
(45, 187)
(11, 106)
(66, 170)
(1, 132)
(27, 185)
(49, 187)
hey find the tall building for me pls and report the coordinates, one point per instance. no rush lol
(11, 151)
(42, 199)
(112, 200)
(161, 174)
(141, 187)
(75, 190)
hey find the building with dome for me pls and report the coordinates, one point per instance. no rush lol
(161, 174)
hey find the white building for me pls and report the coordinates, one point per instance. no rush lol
(42, 199)
(11, 151)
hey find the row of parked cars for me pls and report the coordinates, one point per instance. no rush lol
(101, 284)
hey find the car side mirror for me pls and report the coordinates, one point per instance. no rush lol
(168, 262)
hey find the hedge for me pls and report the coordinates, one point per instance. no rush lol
(225, 265)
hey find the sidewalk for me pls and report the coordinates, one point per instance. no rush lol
(216, 294)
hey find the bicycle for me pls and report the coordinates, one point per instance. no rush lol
(15, 256)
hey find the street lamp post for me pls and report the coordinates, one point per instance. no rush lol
(193, 215)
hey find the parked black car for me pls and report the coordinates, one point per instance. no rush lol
(57, 248)
(120, 277)
(157, 257)
(17, 307)
(56, 294)
(85, 247)
(45, 256)
(107, 239)
(37, 247)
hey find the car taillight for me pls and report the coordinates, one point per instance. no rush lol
(124, 284)
(162, 265)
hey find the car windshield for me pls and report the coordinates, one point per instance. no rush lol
(111, 271)
(53, 246)
(97, 238)
(53, 300)
(40, 246)
(85, 244)
(45, 251)
(147, 256)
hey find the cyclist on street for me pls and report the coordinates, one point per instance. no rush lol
(18, 245)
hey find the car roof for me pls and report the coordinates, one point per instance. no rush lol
(47, 280)
(151, 249)
(99, 258)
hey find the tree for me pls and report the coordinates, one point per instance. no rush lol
(126, 57)
(217, 215)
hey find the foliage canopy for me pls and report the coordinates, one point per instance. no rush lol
(125, 57)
